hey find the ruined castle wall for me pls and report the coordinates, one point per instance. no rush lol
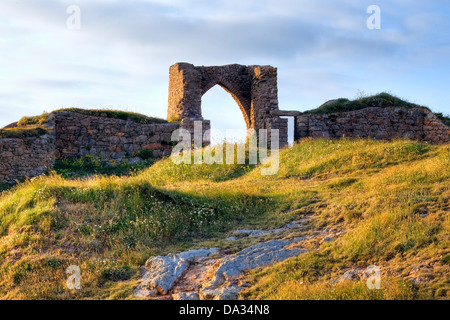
(79, 135)
(28, 157)
(377, 123)
(73, 135)
(185, 93)
(434, 130)
(265, 101)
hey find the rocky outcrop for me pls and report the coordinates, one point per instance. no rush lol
(160, 273)
(260, 255)
(256, 233)
(210, 274)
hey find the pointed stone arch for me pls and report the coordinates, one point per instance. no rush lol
(243, 103)
(254, 88)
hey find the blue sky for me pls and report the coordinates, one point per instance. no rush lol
(120, 57)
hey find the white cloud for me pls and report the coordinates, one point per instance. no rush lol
(121, 56)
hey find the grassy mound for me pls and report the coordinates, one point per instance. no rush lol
(378, 191)
(379, 100)
(115, 114)
(31, 131)
(123, 115)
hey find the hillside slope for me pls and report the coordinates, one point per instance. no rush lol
(392, 198)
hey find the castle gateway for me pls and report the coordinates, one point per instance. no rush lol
(254, 88)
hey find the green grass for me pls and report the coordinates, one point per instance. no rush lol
(109, 225)
(123, 115)
(30, 131)
(35, 120)
(88, 166)
(379, 100)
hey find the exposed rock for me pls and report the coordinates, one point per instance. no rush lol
(259, 255)
(350, 275)
(209, 274)
(185, 296)
(192, 254)
(141, 292)
(356, 274)
(249, 233)
(255, 233)
(226, 293)
(328, 239)
(161, 272)
(417, 123)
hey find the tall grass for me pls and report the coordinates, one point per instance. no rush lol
(109, 225)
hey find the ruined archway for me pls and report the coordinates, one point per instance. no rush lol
(225, 115)
(254, 88)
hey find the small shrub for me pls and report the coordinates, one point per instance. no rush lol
(145, 154)
(445, 260)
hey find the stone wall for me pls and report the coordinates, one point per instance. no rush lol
(22, 158)
(377, 123)
(198, 137)
(254, 88)
(74, 135)
(79, 135)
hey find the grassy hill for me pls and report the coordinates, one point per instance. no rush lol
(391, 197)
(380, 100)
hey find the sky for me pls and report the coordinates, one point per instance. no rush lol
(120, 55)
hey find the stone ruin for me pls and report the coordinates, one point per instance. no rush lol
(254, 88)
